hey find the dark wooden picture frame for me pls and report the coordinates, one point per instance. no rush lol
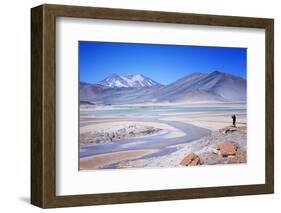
(43, 105)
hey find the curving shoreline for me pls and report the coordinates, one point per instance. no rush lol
(178, 132)
(160, 143)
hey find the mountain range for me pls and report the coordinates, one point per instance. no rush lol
(135, 89)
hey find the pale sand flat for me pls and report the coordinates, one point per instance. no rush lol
(212, 120)
(97, 162)
(103, 126)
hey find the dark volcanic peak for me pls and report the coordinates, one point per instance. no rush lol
(197, 74)
(128, 81)
(215, 72)
(224, 74)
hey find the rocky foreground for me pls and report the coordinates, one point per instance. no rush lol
(115, 134)
(226, 146)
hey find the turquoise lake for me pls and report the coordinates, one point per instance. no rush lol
(154, 110)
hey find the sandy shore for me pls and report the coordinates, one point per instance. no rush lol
(102, 160)
(205, 148)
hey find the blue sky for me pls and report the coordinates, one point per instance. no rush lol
(162, 63)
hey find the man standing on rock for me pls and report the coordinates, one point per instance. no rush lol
(234, 120)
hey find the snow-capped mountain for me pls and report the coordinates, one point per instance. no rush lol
(128, 81)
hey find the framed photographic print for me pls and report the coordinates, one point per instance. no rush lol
(137, 106)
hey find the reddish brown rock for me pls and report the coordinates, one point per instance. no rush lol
(227, 149)
(195, 162)
(191, 160)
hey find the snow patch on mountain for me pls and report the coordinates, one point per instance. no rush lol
(128, 81)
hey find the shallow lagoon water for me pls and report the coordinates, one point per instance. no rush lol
(153, 110)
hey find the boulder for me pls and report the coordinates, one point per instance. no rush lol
(191, 160)
(227, 149)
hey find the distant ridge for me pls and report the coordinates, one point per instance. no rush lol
(197, 87)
